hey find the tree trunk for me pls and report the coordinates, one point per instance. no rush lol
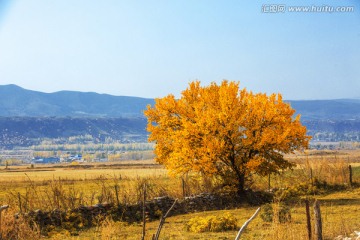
(241, 185)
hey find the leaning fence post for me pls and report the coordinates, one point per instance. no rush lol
(308, 219)
(318, 222)
(350, 175)
(246, 223)
(162, 221)
(144, 212)
(19, 197)
(2, 208)
(117, 195)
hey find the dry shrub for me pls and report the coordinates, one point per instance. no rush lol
(278, 213)
(64, 194)
(110, 230)
(15, 227)
(331, 171)
(153, 188)
(53, 195)
(212, 223)
(197, 183)
(289, 230)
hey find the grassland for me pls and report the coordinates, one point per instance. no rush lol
(340, 217)
(87, 184)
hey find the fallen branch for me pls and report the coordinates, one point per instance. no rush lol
(162, 221)
(247, 223)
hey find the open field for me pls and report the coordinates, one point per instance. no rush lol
(340, 217)
(81, 172)
(68, 186)
(88, 186)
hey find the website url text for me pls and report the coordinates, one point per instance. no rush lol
(282, 8)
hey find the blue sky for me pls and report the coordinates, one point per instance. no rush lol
(153, 48)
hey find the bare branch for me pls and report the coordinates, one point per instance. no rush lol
(247, 223)
(162, 221)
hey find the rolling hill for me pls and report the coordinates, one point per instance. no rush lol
(28, 116)
(337, 109)
(16, 101)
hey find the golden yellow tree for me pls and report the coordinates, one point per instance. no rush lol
(225, 131)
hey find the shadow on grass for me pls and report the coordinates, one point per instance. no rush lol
(340, 201)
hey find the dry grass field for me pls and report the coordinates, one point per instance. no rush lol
(340, 217)
(25, 188)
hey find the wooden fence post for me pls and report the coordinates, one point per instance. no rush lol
(318, 222)
(308, 219)
(117, 196)
(350, 176)
(144, 212)
(20, 207)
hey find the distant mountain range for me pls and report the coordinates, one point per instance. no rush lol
(337, 109)
(27, 117)
(17, 101)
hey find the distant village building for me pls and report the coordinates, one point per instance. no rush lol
(45, 160)
(76, 158)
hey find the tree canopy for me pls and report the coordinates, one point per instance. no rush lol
(225, 131)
